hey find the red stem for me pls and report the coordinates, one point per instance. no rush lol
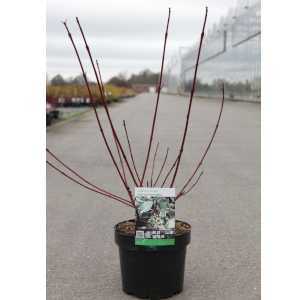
(97, 117)
(162, 167)
(105, 105)
(116, 144)
(157, 100)
(191, 100)
(153, 164)
(82, 178)
(194, 184)
(83, 185)
(130, 151)
(168, 174)
(121, 162)
(208, 146)
(101, 82)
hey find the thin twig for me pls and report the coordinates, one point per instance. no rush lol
(101, 82)
(157, 100)
(169, 172)
(208, 146)
(191, 100)
(105, 105)
(121, 162)
(130, 151)
(87, 187)
(82, 178)
(162, 167)
(97, 117)
(116, 143)
(153, 164)
(193, 185)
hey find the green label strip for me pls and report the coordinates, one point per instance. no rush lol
(154, 242)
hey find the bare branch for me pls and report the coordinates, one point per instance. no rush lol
(157, 100)
(169, 172)
(187, 191)
(191, 100)
(121, 162)
(116, 143)
(101, 82)
(82, 178)
(153, 164)
(209, 144)
(130, 150)
(162, 167)
(97, 117)
(87, 187)
(105, 105)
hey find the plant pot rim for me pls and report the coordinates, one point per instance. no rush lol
(127, 240)
(187, 227)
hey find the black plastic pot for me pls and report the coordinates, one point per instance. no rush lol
(152, 272)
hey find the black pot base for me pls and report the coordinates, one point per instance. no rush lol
(152, 297)
(152, 272)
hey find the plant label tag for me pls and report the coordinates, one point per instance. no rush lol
(155, 220)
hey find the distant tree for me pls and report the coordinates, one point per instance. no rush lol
(119, 80)
(58, 80)
(79, 79)
(144, 77)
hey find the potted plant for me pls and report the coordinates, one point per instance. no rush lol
(153, 271)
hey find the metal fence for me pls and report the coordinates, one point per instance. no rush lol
(231, 53)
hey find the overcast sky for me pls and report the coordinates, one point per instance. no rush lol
(125, 35)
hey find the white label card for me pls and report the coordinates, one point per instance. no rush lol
(155, 224)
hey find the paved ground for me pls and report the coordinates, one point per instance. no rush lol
(223, 260)
(65, 113)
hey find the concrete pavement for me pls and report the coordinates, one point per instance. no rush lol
(223, 259)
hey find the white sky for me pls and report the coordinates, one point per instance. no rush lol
(126, 36)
